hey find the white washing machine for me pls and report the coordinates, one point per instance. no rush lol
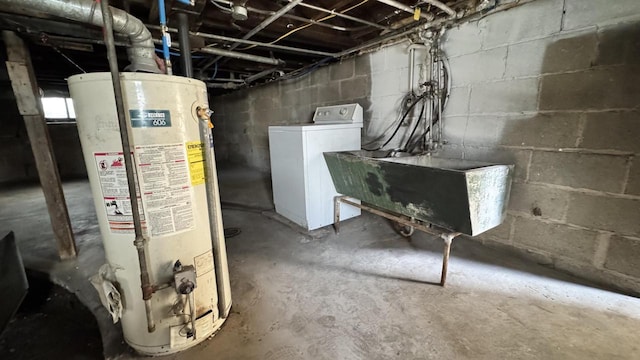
(303, 191)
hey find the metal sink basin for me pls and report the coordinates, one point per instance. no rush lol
(464, 196)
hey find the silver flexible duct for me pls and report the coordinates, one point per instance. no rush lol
(142, 51)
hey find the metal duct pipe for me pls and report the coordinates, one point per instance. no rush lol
(233, 54)
(249, 42)
(260, 75)
(185, 45)
(142, 51)
(242, 56)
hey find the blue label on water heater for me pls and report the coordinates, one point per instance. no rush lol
(150, 118)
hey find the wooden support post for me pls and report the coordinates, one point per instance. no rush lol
(25, 88)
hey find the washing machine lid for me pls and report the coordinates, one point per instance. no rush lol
(338, 114)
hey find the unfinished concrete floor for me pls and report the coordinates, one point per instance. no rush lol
(364, 294)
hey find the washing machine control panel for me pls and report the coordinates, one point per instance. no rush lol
(338, 114)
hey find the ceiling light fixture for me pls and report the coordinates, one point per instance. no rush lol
(239, 11)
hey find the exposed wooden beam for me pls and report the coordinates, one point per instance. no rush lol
(25, 88)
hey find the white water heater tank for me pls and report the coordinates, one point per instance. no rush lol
(170, 173)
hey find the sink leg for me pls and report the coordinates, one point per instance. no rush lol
(448, 239)
(336, 214)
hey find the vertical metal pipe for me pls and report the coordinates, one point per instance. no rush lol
(412, 61)
(139, 242)
(429, 124)
(192, 316)
(185, 46)
(215, 216)
(440, 92)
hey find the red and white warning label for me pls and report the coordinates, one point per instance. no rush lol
(115, 192)
(163, 173)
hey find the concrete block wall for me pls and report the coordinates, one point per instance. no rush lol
(16, 158)
(554, 87)
(242, 118)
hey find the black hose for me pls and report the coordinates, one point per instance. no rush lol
(424, 133)
(415, 127)
(406, 100)
(406, 113)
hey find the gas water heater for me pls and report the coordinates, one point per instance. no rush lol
(188, 266)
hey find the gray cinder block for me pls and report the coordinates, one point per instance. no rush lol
(588, 171)
(508, 96)
(355, 88)
(558, 239)
(533, 20)
(605, 213)
(342, 70)
(539, 200)
(584, 13)
(612, 130)
(633, 183)
(479, 66)
(623, 255)
(598, 89)
(542, 130)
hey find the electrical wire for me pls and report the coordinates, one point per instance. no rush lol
(309, 24)
(224, 9)
(68, 59)
(215, 71)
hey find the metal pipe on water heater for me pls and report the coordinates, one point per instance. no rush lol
(140, 241)
(185, 46)
(215, 213)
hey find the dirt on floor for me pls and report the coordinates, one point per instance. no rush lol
(51, 323)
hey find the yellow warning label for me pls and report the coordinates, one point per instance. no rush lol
(195, 156)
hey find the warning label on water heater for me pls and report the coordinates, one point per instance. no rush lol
(115, 192)
(195, 154)
(163, 174)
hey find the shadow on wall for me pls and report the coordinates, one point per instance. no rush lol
(17, 164)
(576, 197)
(242, 118)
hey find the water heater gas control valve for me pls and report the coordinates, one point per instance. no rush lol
(184, 278)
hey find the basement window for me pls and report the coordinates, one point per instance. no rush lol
(58, 109)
